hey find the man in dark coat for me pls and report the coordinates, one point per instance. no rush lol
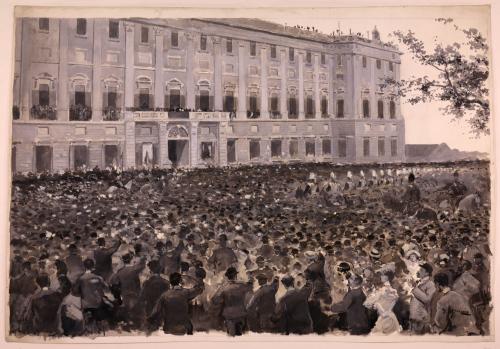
(292, 310)
(20, 289)
(74, 263)
(172, 309)
(103, 258)
(230, 298)
(223, 257)
(41, 317)
(261, 306)
(153, 287)
(411, 197)
(352, 305)
(126, 282)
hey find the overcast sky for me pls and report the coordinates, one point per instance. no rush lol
(424, 122)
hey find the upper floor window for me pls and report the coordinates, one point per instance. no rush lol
(113, 29)
(43, 24)
(273, 51)
(380, 109)
(340, 108)
(229, 45)
(174, 39)
(364, 61)
(392, 109)
(391, 66)
(308, 57)
(339, 60)
(291, 54)
(379, 64)
(81, 26)
(203, 42)
(366, 108)
(253, 48)
(323, 58)
(144, 35)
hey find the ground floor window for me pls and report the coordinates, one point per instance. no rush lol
(294, 148)
(111, 155)
(327, 146)
(231, 150)
(310, 148)
(80, 157)
(207, 151)
(43, 158)
(381, 146)
(254, 149)
(394, 146)
(276, 148)
(366, 147)
(342, 146)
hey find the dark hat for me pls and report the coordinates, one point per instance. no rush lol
(231, 272)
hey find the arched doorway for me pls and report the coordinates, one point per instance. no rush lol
(178, 146)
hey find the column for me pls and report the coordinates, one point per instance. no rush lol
(129, 65)
(129, 158)
(217, 74)
(242, 82)
(284, 77)
(317, 102)
(96, 75)
(162, 135)
(301, 85)
(194, 144)
(159, 83)
(264, 92)
(26, 78)
(190, 92)
(373, 88)
(223, 143)
(331, 86)
(62, 88)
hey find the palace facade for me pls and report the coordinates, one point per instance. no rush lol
(199, 92)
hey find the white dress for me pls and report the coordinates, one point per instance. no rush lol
(383, 300)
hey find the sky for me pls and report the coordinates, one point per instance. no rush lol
(425, 123)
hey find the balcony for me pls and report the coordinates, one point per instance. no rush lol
(275, 115)
(80, 113)
(43, 112)
(253, 114)
(111, 114)
(178, 114)
(182, 115)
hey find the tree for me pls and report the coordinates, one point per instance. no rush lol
(462, 73)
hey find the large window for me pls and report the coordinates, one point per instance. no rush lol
(274, 104)
(80, 157)
(203, 42)
(144, 99)
(379, 64)
(175, 99)
(309, 107)
(340, 108)
(394, 146)
(380, 108)
(391, 66)
(366, 109)
(342, 146)
(381, 146)
(324, 106)
(111, 155)
(229, 101)
(80, 95)
(273, 51)
(366, 146)
(310, 148)
(144, 34)
(254, 149)
(229, 45)
(292, 108)
(43, 95)
(114, 32)
(323, 58)
(364, 61)
(253, 49)
(326, 146)
(294, 148)
(43, 158)
(81, 26)
(231, 150)
(112, 97)
(204, 100)
(291, 54)
(253, 103)
(276, 148)
(392, 109)
(174, 39)
(207, 151)
(43, 24)
(308, 57)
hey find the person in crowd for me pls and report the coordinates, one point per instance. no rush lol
(103, 258)
(223, 257)
(411, 197)
(261, 306)
(420, 303)
(153, 287)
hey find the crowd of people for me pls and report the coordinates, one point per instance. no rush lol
(285, 249)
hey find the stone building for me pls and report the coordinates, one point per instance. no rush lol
(199, 92)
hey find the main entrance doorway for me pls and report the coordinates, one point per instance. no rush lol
(178, 152)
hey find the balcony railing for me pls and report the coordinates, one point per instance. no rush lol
(293, 116)
(80, 113)
(16, 114)
(178, 115)
(111, 114)
(43, 112)
(275, 115)
(325, 115)
(253, 114)
(310, 116)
